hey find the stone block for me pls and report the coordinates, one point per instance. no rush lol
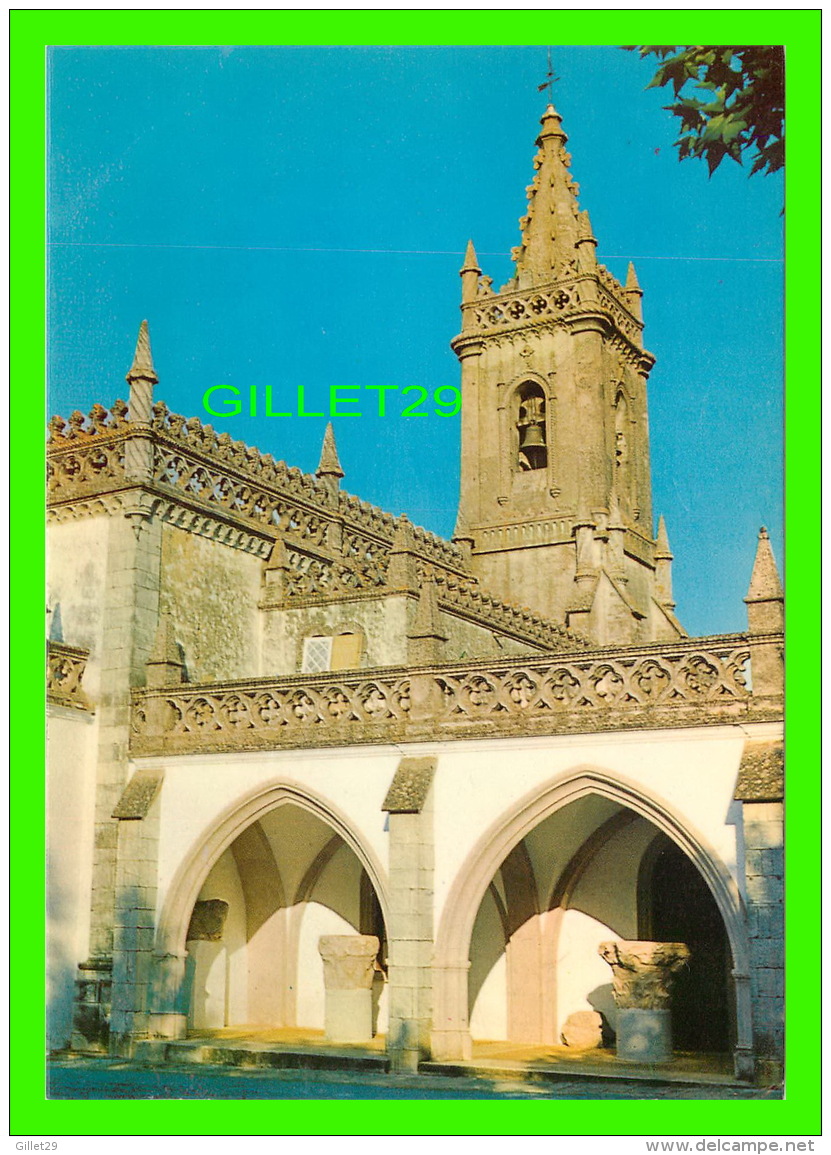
(767, 952)
(406, 924)
(403, 1002)
(405, 830)
(765, 921)
(769, 1013)
(762, 834)
(767, 982)
(405, 976)
(763, 888)
(583, 1030)
(404, 856)
(409, 953)
(348, 1016)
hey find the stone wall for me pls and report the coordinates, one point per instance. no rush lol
(211, 592)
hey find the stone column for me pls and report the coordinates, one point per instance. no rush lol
(642, 974)
(410, 917)
(760, 789)
(348, 968)
(764, 869)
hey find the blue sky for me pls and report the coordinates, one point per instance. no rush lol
(287, 216)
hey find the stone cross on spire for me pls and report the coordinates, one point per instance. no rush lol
(550, 80)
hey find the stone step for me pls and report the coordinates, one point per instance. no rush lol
(261, 1057)
(542, 1073)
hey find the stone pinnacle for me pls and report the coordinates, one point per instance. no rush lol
(142, 367)
(471, 261)
(764, 582)
(662, 549)
(329, 464)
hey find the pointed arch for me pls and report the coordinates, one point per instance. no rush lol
(236, 818)
(451, 1037)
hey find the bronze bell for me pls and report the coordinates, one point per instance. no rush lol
(531, 437)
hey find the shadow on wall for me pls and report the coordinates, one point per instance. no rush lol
(602, 1000)
(61, 965)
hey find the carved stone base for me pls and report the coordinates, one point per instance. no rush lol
(644, 1036)
(348, 968)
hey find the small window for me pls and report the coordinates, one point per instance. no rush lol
(317, 655)
(342, 652)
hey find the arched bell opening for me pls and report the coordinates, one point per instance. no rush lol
(530, 424)
(282, 883)
(579, 878)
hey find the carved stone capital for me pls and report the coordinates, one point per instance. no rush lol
(642, 972)
(348, 961)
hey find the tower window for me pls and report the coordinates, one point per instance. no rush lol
(532, 450)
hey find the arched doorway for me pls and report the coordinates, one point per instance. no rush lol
(538, 894)
(248, 906)
(675, 905)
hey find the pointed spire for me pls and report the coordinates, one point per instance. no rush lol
(142, 377)
(329, 464)
(765, 585)
(633, 292)
(766, 615)
(471, 263)
(550, 228)
(662, 550)
(663, 567)
(142, 366)
(470, 273)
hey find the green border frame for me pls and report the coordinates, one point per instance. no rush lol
(799, 1113)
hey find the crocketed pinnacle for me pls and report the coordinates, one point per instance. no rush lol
(329, 464)
(765, 585)
(551, 228)
(142, 367)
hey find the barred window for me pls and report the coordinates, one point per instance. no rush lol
(317, 655)
(341, 652)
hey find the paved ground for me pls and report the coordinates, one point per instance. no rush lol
(115, 1079)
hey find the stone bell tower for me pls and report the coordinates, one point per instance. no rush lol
(556, 505)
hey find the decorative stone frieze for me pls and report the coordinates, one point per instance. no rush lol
(677, 684)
